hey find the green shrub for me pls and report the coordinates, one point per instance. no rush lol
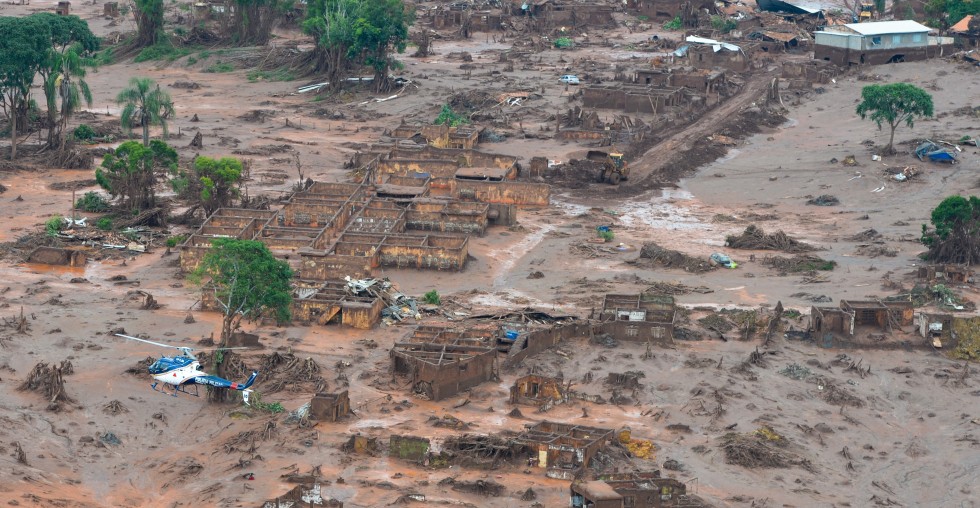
(191, 60)
(220, 67)
(104, 223)
(83, 133)
(723, 24)
(92, 202)
(564, 42)
(449, 117)
(176, 240)
(432, 298)
(674, 24)
(607, 235)
(53, 225)
(276, 75)
(161, 51)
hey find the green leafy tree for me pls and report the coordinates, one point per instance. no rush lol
(893, 105)
(942, 14)
(213, 183)
(149, 22)
(63, 71)
(955, 237)
(130, 172)
(351, 33)
(247, 282)
(145, 104)
(24, 46)
(449, 117)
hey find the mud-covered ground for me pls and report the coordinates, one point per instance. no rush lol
(900, 429)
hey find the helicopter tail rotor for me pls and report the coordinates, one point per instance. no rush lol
(251, 380)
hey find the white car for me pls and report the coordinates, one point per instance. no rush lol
(569, 79)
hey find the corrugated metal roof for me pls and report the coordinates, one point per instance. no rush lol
(962, 26)
(888, 27)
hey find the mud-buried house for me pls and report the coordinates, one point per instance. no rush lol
(877, 43)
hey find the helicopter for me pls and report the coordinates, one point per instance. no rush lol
(184, 370)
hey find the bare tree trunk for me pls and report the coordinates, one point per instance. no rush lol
(13, 134)
(146, 131)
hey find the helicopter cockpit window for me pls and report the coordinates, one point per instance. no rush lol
(158, 367)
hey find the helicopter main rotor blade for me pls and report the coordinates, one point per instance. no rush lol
(150, 342)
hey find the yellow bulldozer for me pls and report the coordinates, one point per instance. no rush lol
(614, 167)
(867, 8)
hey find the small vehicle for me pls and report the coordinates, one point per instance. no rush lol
(719, 259)
(569, 79)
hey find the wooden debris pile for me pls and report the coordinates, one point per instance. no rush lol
(673, 259)
(754, 238)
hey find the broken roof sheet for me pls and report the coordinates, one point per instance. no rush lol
(716, 45)
(789, 7)
(888, 27)
(780, 36)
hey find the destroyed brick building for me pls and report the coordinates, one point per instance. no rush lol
(631, 490)
(438, 371)
(330, 407)
(537, 390)
(564, 449)
(643, 317)
(851, 315)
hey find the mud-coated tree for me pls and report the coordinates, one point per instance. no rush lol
(149, 22)
(955, 237)
(350, 34)
(145, 104)
(246, 282)
(253, 20)
(24, 46)
(893, 105)
(130, 172)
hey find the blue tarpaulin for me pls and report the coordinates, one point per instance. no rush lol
(934, 152)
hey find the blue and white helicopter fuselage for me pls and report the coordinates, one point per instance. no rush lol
(179, 372)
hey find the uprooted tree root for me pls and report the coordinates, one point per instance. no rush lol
(754, 238)
(277, 371)
(49, 381)
(673, 259)
(488, 488)
(760, 449)
(799, 264)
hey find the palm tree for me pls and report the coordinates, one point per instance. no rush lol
(147, 104)
(59, 75)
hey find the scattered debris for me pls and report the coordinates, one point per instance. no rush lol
(48, 381)
(754, 238)
(824, 200)
(674, 259)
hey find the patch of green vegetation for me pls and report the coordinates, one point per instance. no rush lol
(564, 42)
(723, 24)
(103, 57)
(92, 202)
(449, 117)
(53, 225)
(276, 75)
(176, 240)
(822, 265)
(104, 223)
(432, 298)
(83, 133)
(161, 51)
(204, 54)
(641, 17)
(191, 60)
(791, 314)
(220, 67)
(674, 24)
(607, 235)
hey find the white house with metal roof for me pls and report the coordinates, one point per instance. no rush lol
(876, 43)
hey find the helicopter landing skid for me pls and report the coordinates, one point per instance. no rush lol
(176, 389)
